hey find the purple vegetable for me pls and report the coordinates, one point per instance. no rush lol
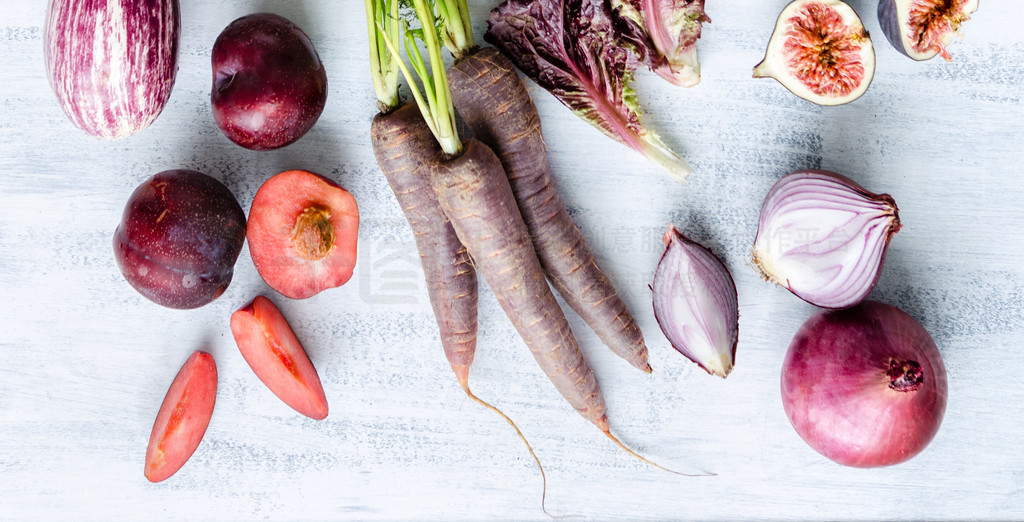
(112, 63)
(695, 303)
(824, 237)
(666, 32)
(573, 49)
(866, 386)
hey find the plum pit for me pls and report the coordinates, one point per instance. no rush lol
(313, 235)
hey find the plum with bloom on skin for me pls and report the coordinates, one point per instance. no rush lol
(179, 237)
(269, 86)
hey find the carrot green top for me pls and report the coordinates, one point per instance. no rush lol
(455, 26)
(382, 23)
(435, 99)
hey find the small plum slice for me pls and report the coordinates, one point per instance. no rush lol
(302, 233)
(183, 417)
(269, 345)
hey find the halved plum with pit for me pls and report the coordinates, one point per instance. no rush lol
(276, 356)
(302, 233)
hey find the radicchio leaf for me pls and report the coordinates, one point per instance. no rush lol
(666, 32)
(573, 49)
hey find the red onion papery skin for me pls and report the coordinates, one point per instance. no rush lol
(842, 382)
(834, 270)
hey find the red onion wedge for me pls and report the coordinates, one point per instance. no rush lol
(112, 63)
(865, 386)
(824, 237)
(695, 303)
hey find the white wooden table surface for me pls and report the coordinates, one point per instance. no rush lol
(86, 360)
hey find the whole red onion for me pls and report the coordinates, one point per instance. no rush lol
(864, 386)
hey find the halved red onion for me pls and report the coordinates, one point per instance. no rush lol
(824, 237)
(695, 303)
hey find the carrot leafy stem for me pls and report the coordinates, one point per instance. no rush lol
(382, 24)
(434, 98)
(454, 25)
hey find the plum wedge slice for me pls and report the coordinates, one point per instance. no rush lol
(183, 417)
(276, 356)
(302, 233)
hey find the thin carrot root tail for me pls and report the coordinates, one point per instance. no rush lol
(543, 477)
(659, 466)
(462, 375)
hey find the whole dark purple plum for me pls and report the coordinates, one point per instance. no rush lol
(179, 237)
(269, 86)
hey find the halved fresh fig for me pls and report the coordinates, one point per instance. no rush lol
(302, 233)
(276, 356)
(183, 417)
(922, 29)
(820, 51)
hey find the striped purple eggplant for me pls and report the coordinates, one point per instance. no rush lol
(112, 63)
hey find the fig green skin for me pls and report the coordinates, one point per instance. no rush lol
(179, 238)
(269, 85)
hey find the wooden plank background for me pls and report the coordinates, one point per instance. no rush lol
(86, 360)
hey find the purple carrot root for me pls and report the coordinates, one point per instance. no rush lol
(403, 145)
(487, 92)
(543, 477)
(496, 105)
(405, 148)
(475, 195)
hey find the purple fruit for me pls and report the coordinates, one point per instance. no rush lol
(921, 29)
(269, 86)
(112, 63)
(820, 51)
(179, 238)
